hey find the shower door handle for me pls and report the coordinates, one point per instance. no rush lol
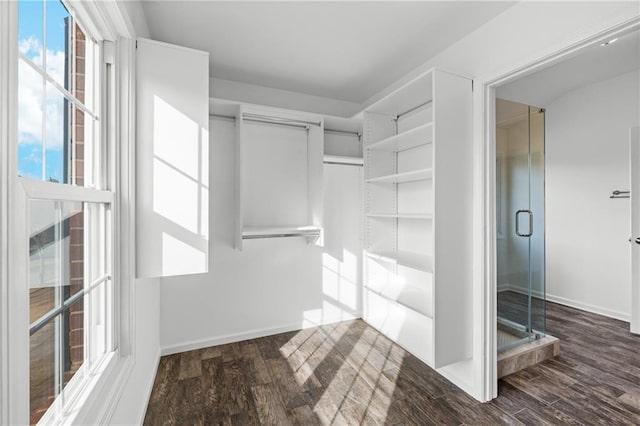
(518, 233)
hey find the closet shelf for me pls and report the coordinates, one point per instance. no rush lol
(411, 138)
(402, 215)
(418, 261)
(258, 232)
(414, 175)
(418, 299)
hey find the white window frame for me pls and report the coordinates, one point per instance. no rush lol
(99, 396)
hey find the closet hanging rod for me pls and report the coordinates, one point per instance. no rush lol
(409, 111)
(281, 235)
(339, 163)
(269, 119)
(231, 117)
(345, 132)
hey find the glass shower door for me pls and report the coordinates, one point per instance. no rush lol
(537, 239)
(520, 216)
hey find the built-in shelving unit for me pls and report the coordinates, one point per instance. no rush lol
(418, 187)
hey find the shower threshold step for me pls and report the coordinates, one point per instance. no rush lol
(527, 354)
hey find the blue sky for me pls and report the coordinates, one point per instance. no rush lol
(30, 28)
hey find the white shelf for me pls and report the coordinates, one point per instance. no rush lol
(256, 232)
(412, 138)
(418, 261)
(415, 297)
(414, 175)
(407, 327)
(402, 215)
(412, 94)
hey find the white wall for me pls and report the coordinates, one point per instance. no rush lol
(260, 95)
(272, 285)
(137, 19)
(587, 157)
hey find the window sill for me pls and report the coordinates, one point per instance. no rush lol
(93, 399)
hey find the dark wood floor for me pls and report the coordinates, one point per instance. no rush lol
(348, 373)
(514, 307)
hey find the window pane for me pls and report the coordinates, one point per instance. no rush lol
(56, 254)
(69, 246)
(58, 41)
(57, 352)
(57, 135)
(80, 147)
(99, 320)
(72, 329)
(53, 131)
(30, 99)
(42, 371)
(30, 41)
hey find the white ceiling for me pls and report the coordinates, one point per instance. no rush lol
(340, 50)
(590, 65)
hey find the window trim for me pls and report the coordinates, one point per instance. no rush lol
(98, 401)
(42, 190)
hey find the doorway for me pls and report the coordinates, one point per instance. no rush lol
(590, 96)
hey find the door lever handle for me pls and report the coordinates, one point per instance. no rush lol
(637, 240)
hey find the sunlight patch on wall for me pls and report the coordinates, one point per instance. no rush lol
(178, 257)
(339, 279)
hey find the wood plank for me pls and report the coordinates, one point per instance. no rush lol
(190, 365)
(213, 391)
(303, 416)
(270, 408)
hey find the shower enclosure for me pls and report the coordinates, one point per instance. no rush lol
(520, 223)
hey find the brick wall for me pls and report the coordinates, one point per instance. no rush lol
(76, 231)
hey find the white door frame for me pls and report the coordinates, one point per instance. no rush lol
(490, 255)
(634, 171)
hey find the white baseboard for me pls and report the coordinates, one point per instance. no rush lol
(520, 290)
(589, 308)
(610, 313)
(252, 334)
